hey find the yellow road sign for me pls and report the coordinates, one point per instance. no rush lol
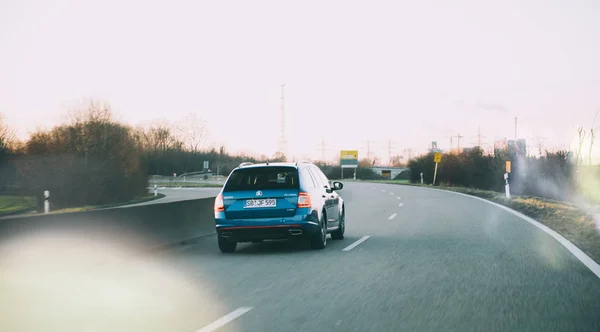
(437, 157)
(349, 154)
(508, 166)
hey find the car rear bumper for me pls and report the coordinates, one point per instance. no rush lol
(247, 230)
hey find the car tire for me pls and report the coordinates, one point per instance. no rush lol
(227, 246)
(338, 234)
(319, 238)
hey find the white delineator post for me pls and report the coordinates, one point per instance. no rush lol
(506, 186)
(155, 190)
(421, 177)
(46, 201)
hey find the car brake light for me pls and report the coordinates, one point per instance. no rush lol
(303, 200)
(219, 205)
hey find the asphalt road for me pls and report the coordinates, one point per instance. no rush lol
(434, 261)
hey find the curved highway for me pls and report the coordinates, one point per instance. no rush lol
(413, 259)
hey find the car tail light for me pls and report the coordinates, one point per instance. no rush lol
(303, 200)
(219, 205)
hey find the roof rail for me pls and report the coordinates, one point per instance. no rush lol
(245, 163)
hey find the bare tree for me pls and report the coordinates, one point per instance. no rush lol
(279, 157)
(375, 161)
(193, 131)
(592, 138)
(581, 132)
(7, 135)
(89, 121)
(91, 111)
(161, 137)
(396, 161)
(540, 145)
(365, 162)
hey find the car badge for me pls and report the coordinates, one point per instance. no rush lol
(259, 193)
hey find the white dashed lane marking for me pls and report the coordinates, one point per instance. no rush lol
(392, 216)
(225, 320)
(356, 243)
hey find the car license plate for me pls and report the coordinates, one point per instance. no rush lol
(260, 203)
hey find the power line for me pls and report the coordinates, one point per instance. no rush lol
(322, 148)
(458, 139)
(391, 149)
(479, 138)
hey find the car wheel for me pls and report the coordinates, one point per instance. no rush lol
(338, 234)
(227, 246)
(319, 239)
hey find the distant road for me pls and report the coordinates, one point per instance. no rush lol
(179, 194)
(191, 179)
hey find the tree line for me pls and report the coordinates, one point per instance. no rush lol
(92, 159)
(553, 175)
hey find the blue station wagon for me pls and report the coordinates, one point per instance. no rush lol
(278, 201)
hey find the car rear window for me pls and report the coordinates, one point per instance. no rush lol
(255, 178)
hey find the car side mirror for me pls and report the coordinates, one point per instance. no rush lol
(338, 185)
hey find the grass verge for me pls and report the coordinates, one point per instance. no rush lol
(567, 219)
(16, 204)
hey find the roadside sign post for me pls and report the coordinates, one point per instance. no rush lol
(348, 159)
(46, 201)
(437, 157)
(507, 185)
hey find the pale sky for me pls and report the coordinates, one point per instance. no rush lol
(355, 71)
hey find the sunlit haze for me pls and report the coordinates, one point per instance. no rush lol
(354, 72)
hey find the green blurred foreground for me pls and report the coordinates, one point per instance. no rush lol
(16, 204)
